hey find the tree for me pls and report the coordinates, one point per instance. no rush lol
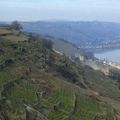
(16, 25)
(47, 43)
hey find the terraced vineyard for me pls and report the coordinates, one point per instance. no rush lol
(38, 84)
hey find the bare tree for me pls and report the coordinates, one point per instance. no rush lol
(16, 25)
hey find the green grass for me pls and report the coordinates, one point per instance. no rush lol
(2, 57)
(22, 91)
(110, 113)
(64, 96)
(6, 76)
(86, 108)
(102, 84)
(60, 94)
(5, 42)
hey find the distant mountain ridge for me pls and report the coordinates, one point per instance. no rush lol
(79, 33)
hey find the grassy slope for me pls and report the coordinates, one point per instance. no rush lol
(65, 47)
(12, 35)
(5, 31)
(38, 76)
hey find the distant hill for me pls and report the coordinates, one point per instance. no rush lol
(78, 33)
(64, 47)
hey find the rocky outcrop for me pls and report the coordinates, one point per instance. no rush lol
(40, 96)
(57, 106)
(32, 114)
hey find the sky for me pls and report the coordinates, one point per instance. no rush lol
(68, 10)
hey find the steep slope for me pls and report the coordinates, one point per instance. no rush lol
(38, 84)
(63, 47)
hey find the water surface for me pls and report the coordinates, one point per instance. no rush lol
(113, 55)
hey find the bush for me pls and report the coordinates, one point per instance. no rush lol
(47, 43)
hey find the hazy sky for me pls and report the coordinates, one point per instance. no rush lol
(78, 10)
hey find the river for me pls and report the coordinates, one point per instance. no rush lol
(113, 55)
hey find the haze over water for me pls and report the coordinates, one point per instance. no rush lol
(113, 55)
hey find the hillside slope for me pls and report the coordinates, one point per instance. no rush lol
(38, 84)
(64, 47)
(83, 34)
